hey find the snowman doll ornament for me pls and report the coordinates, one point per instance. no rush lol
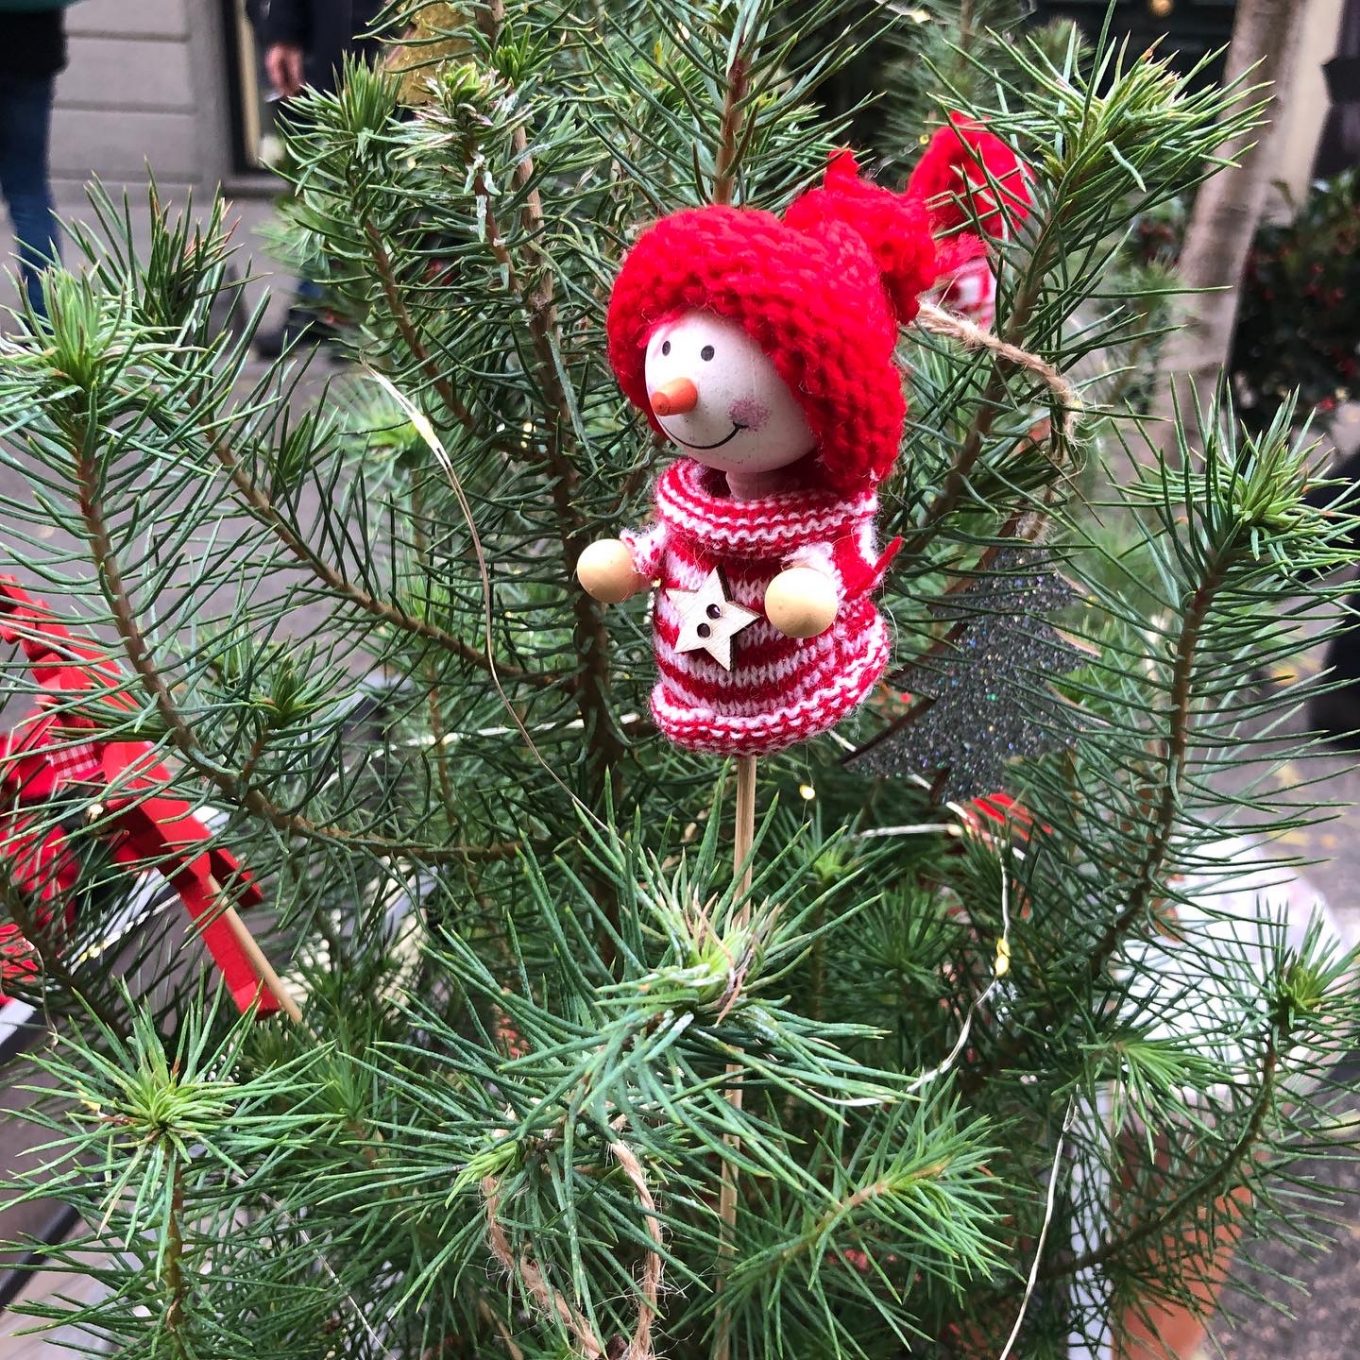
(763, 349)
(735, 416)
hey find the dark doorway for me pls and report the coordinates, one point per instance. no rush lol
(252, 110)
(1188, 29)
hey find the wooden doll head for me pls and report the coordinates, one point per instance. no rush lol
(719, 398)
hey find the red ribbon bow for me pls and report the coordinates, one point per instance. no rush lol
(151, 830)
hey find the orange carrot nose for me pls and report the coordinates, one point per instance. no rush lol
(674, 398)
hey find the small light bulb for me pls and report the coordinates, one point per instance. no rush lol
(806, 792)
(1003, 957)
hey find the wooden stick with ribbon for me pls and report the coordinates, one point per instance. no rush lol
(743, 839)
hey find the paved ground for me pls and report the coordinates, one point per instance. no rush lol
(1325, 1323)
(1330, 1325)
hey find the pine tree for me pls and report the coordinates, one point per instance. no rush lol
(974, 1118)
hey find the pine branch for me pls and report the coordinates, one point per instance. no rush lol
(182, 734)
(264, 509)
(421, 540)
(406, 327)
(1182, 694)
(172, 1258)
(1147, 878)
(1166, 1220)
(989, 406)
(590, 636)
(820, 1230)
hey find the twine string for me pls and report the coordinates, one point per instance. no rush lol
(939, 321)
(530, 1274)
(641, 1347)
(525, 1268)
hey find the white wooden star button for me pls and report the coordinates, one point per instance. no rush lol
(710, 619)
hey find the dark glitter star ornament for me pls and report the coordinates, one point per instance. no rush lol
(982, 694)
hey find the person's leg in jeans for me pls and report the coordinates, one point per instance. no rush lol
(25, 132)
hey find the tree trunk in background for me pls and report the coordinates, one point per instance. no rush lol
(1265, 42)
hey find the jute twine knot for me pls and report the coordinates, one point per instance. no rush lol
(552, 1303)
(968, 333)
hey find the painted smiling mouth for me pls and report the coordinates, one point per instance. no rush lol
(702, 448)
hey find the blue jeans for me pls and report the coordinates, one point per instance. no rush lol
(25, 128)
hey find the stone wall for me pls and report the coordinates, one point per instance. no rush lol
(147, 85)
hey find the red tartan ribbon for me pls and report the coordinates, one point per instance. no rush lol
(147, 829)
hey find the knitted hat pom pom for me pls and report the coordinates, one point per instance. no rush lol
(895, 227)
(968, 176)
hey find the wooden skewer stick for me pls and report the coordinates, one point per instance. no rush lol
(264, 970)
(743, 837)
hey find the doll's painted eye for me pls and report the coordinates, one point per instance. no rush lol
(706, 353)
(665, 347)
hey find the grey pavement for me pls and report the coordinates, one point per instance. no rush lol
(1322, 1320)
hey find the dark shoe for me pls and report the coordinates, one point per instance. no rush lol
(1339, 482)
(1336, 718)
(301, 326)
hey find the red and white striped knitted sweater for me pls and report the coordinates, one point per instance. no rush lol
(780, 690)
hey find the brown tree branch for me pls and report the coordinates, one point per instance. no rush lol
(264, 509)
(730, 131)
(172, 1266)
(1178, 745)
(411, 338)
(534, 288)
(182, 735)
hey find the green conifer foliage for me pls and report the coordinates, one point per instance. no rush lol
(975, 1118)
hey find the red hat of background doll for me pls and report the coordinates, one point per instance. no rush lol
(822, 291)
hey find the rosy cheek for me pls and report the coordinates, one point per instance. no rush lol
(749, 412)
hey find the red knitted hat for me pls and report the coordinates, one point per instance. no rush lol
(964, 160)
(822, 292)
(971, 180)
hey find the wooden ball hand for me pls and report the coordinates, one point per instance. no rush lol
(801, 602)
(606, 571)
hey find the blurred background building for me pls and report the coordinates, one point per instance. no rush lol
(174, 85)
(167, 84)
